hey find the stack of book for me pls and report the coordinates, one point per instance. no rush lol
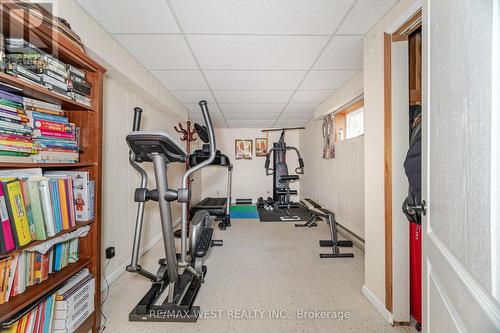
(35, 206)
(55, 138)
(78, 86)
(74, 302)
(23, 60)
(16, 143)
(62, 311)
(27, 62)
(27, 268)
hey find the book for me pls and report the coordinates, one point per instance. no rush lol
(50, 126)
(36, 209)
(27, 206)
(65, 207)
(33, 115)
(52, 134)
(46, 201)
(7, 238)
(82, 190)
(56, 204)
(17, 213)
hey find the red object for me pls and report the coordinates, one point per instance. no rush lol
(416, 271)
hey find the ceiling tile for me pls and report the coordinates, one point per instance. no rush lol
(132, 16)
(254, 80)
(181, 80)
(251, 108)
(227, 96)
(364, 15)
(250, 123)
(198, 116)
(301, 107)
(163, 51)
(194, 107)
(343, 52)
(317, 80)
(311, 96)
(260, 16)
(288, 123)
(251, 116)
(193, 96)
(256, 52)
(294, 116)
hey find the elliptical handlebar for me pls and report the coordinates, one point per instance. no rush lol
(184, 187)
(137, 119)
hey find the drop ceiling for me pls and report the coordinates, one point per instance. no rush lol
(258, 63)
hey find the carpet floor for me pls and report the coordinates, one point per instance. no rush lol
(267, 277)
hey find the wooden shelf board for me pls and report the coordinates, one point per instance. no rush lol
(47, 165)
(38, 291)
(35, 91)
(78, 225)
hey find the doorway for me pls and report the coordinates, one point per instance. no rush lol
(403, 73)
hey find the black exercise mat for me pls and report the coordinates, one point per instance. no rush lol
(274, 215)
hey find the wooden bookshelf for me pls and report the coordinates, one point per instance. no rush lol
(37, 242)
(38, 291)
(16, 23)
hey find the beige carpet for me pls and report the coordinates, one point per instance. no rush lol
(263, 267)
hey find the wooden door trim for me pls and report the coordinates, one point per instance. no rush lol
(388, 170)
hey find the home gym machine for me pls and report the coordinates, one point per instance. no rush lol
(218, 207)
(179, 277)
(317, 212)
(281, 177)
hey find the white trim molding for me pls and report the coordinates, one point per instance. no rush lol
(377, 304)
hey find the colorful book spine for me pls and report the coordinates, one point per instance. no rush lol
(63, 195)
(7, 235)
(17, 212)
(45, 133)
(50, 126)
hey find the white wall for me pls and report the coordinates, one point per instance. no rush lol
(373, 68)
(335, 183)
(249, 177)
(348, 92)
(127, 84)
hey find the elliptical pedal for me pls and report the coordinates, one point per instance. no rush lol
(204, 242)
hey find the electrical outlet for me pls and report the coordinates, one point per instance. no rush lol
(110, 252)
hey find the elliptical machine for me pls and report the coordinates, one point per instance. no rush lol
(281, 177)
(179, 277)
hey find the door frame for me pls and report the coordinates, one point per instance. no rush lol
(395, 287)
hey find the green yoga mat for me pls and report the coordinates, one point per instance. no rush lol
(244, 212)
(243, 208)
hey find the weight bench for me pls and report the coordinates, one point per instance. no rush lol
(316, 212)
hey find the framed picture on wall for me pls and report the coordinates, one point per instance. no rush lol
(261, 147)
(243, 149)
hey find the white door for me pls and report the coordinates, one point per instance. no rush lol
(461, 168)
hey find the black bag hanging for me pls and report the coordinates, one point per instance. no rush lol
(413, 165)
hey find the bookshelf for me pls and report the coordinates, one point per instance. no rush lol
(16, 23)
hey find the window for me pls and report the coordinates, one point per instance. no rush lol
(355, 123)
(349, 121)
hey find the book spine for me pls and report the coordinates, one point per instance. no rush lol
(8, 237)
(54, 134)
(17, 212)
(50, 126)
(12, 97)
(48, 117)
